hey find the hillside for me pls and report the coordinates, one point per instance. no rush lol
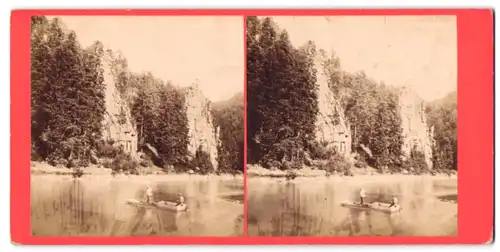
(442, 114)
(229, 116)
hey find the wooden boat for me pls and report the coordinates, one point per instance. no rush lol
(375, 206)
(162, 205)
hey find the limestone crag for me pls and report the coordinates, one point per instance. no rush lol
(416, 132)
(200, 122)
(331, 124)
(117, 124)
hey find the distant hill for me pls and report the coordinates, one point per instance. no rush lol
(228, 115)
(442, 115)
(448, 100)
(236, 100)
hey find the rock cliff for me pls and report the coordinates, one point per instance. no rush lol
(416, 131)
(118, 124)
(331, 124)
(202, 131)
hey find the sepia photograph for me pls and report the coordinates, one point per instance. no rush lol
(352, 125)
(137, 125)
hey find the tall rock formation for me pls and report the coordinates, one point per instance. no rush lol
(331, 124)
(117, 124)
(416, 132)
(200, 122)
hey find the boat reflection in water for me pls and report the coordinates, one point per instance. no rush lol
(310, 207)
(97, 207)
(358, 218)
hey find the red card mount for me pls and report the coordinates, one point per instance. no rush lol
(475, 130)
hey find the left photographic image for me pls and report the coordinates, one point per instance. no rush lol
(137, 125)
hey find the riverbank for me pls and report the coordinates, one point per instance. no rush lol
(153, 173)
(359, 174)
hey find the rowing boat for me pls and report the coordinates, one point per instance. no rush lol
(162, 205)
(375, 206)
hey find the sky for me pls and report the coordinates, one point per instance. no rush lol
(417, 51)
(179, 49)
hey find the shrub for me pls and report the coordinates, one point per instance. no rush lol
(77, 163)
(321, 150)
(416, 162)
(269, 164)
(202, 161)
(348, 172)
(124, 163)
(360, 163)
(146, 161)
(286, 165)
(77, 173)
(107, 149)
(34, 155)
(290, 175)
(107, 163)
(337, 163)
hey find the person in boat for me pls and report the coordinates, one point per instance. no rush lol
(394, 201)
(362, 196)
(149, 195)
(180, 199)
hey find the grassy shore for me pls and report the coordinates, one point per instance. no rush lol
(146, 173)
(357, 174)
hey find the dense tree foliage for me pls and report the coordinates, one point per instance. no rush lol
(372, 110)
(67, 102)
(442, 116)
(172, 134)
(158, 110)
(283, 103)
(282, 108)
(68, 108)
(201, 161)
(229, 116)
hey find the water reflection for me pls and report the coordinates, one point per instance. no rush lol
(96, 207)
(312, 208)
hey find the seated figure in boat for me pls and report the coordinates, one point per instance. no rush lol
(394, 202)
(180, 200)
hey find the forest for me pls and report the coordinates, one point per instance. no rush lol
(68, 108)
(283, 105)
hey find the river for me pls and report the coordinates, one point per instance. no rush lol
(311, 207)
(95, 206)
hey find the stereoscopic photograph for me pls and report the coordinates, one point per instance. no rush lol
(352, 125)
(137, 125)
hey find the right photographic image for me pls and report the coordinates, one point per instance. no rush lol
(351, 125)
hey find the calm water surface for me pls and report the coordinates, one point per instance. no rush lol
(312, 208)
(96, 207)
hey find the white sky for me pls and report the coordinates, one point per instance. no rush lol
(180, 49)
(418, 51)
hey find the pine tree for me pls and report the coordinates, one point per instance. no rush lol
(67, 94)
(282, 102)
